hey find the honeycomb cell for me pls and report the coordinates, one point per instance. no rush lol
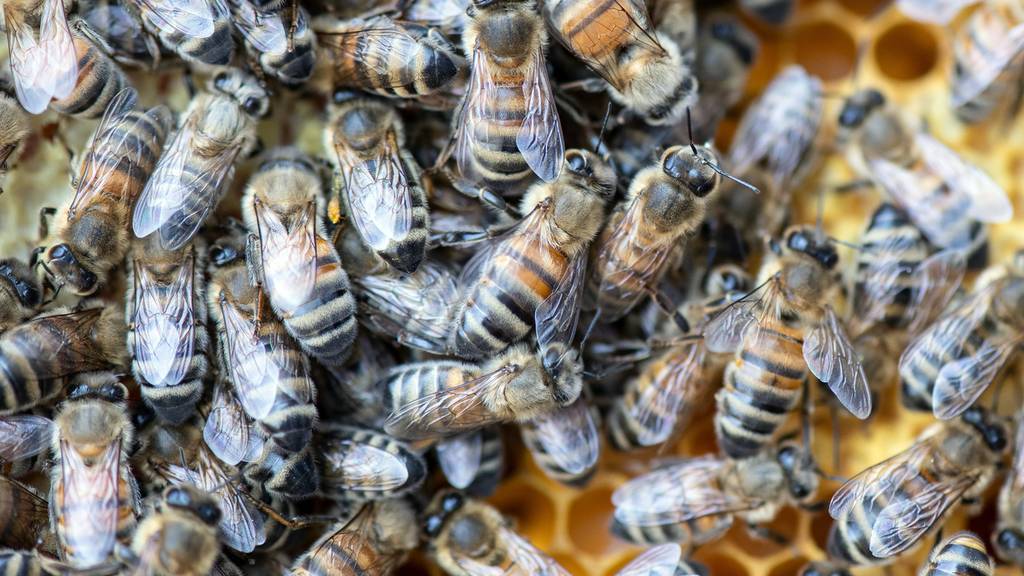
(573, 565)
(825, 50)
(589, 518)
(906, 52)
(532, 510)
(788, 567)
(864, 7)
(821, 523)
(718, 563)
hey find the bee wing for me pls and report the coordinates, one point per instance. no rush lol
(450, 410)
(334, 554)
(556, 317)
(677, 493)
(79, 354)
(883, 479)
(569, 436)
(832, 359)
(460, 458)
(289, 256)
(936, 222)
(659, 406)
(90, 502)
(23, 436)
(191, 18)
(527, 559)
(962, 381)
(880, 283)
(724, 332)
(380, 197)
(908, 517)
(47, 68)
(937, 280)
(367, 467)
(262, 29)
(540, 137)
(254, 372)
(164, 325)
(650, 260)
(985, 66)
(227, 428)
(402, 47)
(473, 132)
(33, 519)
(107, 144)
(655, 561)
(933, 11)
(988, 201)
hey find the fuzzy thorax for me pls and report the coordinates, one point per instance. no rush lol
(659, 86)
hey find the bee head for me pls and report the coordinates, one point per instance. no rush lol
(800, 470)
(692, 170)
(102, 386)
(726, 278)
(244, 89)
(446, 504)
(22, 281)
(992, 431)
(67, 269)
(805, 240)
(191, 500)
(858, 107)
(1009, 545)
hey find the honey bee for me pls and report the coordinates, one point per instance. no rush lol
(92, 234)
(39, 356)
(299, 267)
(24, 515)
(440, 398)
(286, 53)
(167, 338)
(777, 132)
(962, 554)
(892, 505)
(14, 129)
(647, 71)
(952, 362)
(381, 181)
(988, 61)
(695, 501)
(726, 50)
(506, 127)
(99, 79)
(197, 165)
(228, 431)
(21, 292)
(470, 538)
(20, 562)
(44, 62)
(944, 195)
(473, 462)
(94, 499)
(358, 464)
(790, 329)
(198, 31)
(23, 437)
(531, 276)
(393, 59)
(179, 536)
(117, 28)
(375, 541)
(774, 12)
(664, 559)
(282, 476)
(564, 443)
(1008, 538)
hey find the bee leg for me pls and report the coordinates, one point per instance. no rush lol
(291, 522)
(293, 26)
(592, 85)
(765, 533)
(668, 308)
(853, 186)
(190, 83)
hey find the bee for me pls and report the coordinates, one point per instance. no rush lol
(988, 61)
(358, 464)
(962, 554)
(283, 476)
(24, 515)
(288, 54)
(774, 12)
(952, 362)
(564, 443)
(506, 127)
(99, 79)
(14, 129)
(468, 537)
(944, 195)
(44, 61)
(198, 163)
(695, 501)
(777, 338)
(1008, 537)
(228, 431)
(198, 31)
(473, 462)
(726, 51)
(21, 292)
(94, 498)
(440, 398)
(531, 276)
(116, 27)
(892, 505)
(299, 267)
(167, 338)
(92, 230)
(179, 536)
(381, 181)
(666, 559)
(388, 58)
(266, 368)
(38, 356)
(23, 439)
(375, 541)
(646, 70)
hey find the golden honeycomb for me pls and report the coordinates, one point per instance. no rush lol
(849, 44)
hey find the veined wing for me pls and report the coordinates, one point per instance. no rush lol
(112, 141)
(90, 503)
(934, 219)
(263, 30)
(45, 69)
(540, 137)
(883, 479)
(832, 359)
(659, 560)
(289, 255)
(362, 466)
(660, 405)
(908, 517)
(228, 431)
(191, 18)
(988, 200)
(24, 436)
(460, 458)
(164, 324)
(569, 436)
(379, 194)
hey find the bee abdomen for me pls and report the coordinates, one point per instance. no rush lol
(99, 80)
(341, 437)
(963, 554)
(691, 533)
(19, 563)
(325, 327)
(216, 49)
(492, 463)
(919, 373)
(19, 387)
(290, 422)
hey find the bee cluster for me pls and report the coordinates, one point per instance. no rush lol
(512, 221)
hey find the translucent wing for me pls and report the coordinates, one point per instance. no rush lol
(569, 436)
(362, 466)
(962, 381)
(937, 280)
(677, 493)
(556, 317)
(396, 46)
(33, 514)
(988, 200)
(289, 256)
(980, 65)
(45, 69)
(77, 352)
(90, 503)
(228, 431)
(881, 282)
(164, 325)
(460, 457)
(451, 410)
(254, 372)
(832, 359)
(937, 221)
(724, 332)
(883, 479)
(540, 137)
(24, 436)
(334, 554)
(660, 405)
(656, 561)
(909, 516)
(933, 11)
(262, 29)
(473, 131)
(113, 138)
(527, 559)
(191, 18)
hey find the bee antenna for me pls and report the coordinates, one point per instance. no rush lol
(604, 124)
(719, 171)
(689, 131)
(851, 245)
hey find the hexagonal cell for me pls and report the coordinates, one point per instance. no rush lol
(532, 510)
(718, 563)
(788, 567)
(573, 565)
(825, 50)
(590, 516)
(907, 51)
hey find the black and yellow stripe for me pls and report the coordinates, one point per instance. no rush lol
(99, 81)
(337, 440)
(962, 554)
(974, 45)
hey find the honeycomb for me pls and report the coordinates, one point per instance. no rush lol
(849, 44)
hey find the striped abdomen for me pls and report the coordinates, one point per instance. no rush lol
(492, 463)
(629, 265)
(291, 419)
(890, 227)
(496, 158)
(595, 31)
(411, 382)
(127, 494)
(688, 534)
(99, 80)
(345, 553)
(339, 450)
(963, 554)
(975, 44)
(19, 563)
(216, 49)
(379, 63)
(762, 386)
(294, 66)
(499, 310)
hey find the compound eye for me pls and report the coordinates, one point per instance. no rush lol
(995, 438)
(451, 502)
(851, 116)
(60, 252)
(178, 498)
(222, 255)
(209, 513)
(252, 106)
(114, 393)
(88, 283)
(578, 163)
(432, 525)
(220, 81)
(875, 99)
(730, 282)
(798, 241)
